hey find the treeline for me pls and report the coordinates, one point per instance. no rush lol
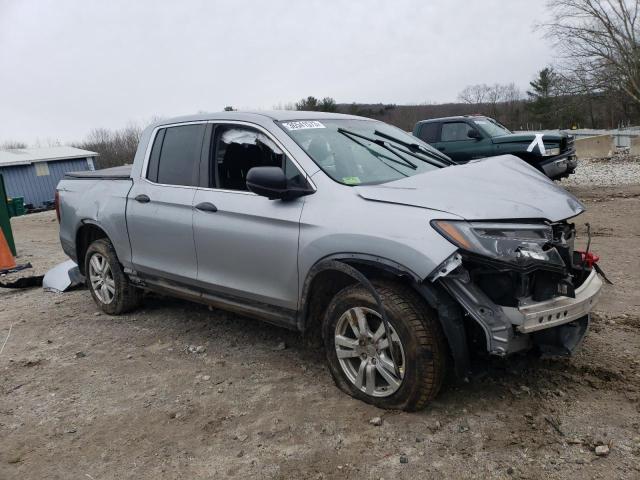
(511, 108)
(116, 147)
(536, 111)
(563, 112)
(12, 145)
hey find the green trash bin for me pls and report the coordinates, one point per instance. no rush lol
(11, 208)
(18, 206)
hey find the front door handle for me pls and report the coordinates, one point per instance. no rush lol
(142, 198)
(207, 207)
(442, 149)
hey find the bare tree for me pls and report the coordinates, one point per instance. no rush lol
(46, 142)
(600, 44)
(474, 94)
(495, 95)
(489, 99)
(116, 147)
(12, 145)
(284, 106)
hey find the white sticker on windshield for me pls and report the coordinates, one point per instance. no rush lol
(302, 124)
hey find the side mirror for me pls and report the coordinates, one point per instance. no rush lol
(475, 134)
(271, 182)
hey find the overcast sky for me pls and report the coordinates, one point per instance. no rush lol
(69, 66)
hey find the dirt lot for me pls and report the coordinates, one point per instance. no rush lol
(88, 396)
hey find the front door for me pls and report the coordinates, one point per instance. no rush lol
(247, 245)
(454, 141)
(160, 206)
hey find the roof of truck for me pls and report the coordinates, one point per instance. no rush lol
(277, 115)
(448, 119)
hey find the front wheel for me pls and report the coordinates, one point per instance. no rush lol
(109, 286)
(359, 351)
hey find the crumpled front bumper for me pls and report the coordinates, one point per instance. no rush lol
(559, 166)
(510, 329)
(559, 310)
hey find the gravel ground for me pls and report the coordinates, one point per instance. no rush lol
(87, 396)
(619, 170)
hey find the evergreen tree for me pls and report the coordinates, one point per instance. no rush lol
(542, 97)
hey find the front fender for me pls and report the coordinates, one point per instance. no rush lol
(415, 260)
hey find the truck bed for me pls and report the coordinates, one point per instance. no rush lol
(114, 173)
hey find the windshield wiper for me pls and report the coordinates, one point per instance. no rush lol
(379, 156)
(405, 162)
(416, 148)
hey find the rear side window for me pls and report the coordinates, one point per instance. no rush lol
(175, 156)
(429, 132)
(455, 131)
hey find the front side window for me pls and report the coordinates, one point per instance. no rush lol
(363, 152)
(237, 149)
(455, 132)
(175, 155)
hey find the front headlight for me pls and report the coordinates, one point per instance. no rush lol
(551, 152)
(521, 244)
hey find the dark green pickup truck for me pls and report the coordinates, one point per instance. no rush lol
(472, 137)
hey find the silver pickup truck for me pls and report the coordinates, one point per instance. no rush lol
(346, 229)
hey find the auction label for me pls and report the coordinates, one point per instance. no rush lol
(302, 124)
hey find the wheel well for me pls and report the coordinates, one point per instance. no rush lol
(327, 283)
(87, 234)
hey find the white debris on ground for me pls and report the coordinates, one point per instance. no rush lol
(620, 169)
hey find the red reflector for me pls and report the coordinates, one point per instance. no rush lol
(589, 258)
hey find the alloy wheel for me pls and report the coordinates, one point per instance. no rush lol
(364, 352)
(101, 278)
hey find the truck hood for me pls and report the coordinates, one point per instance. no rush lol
(498, 188)
(550, 138)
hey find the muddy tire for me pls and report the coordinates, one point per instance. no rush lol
(109, 286)
(361, 363)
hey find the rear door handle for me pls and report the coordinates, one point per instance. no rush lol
(207, 207)
(142, 198)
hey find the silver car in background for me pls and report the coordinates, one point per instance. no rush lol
(346, 229)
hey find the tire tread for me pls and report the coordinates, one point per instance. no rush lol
(128, 297)
(422, 324)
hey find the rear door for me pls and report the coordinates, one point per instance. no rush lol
(247, 245)
(160, 205)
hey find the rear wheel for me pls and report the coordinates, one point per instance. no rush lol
(359, 351)
(109, 286)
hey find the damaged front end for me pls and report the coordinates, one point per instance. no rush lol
(523, 283)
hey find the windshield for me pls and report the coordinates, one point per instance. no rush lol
(491, 127)
(363, 152)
